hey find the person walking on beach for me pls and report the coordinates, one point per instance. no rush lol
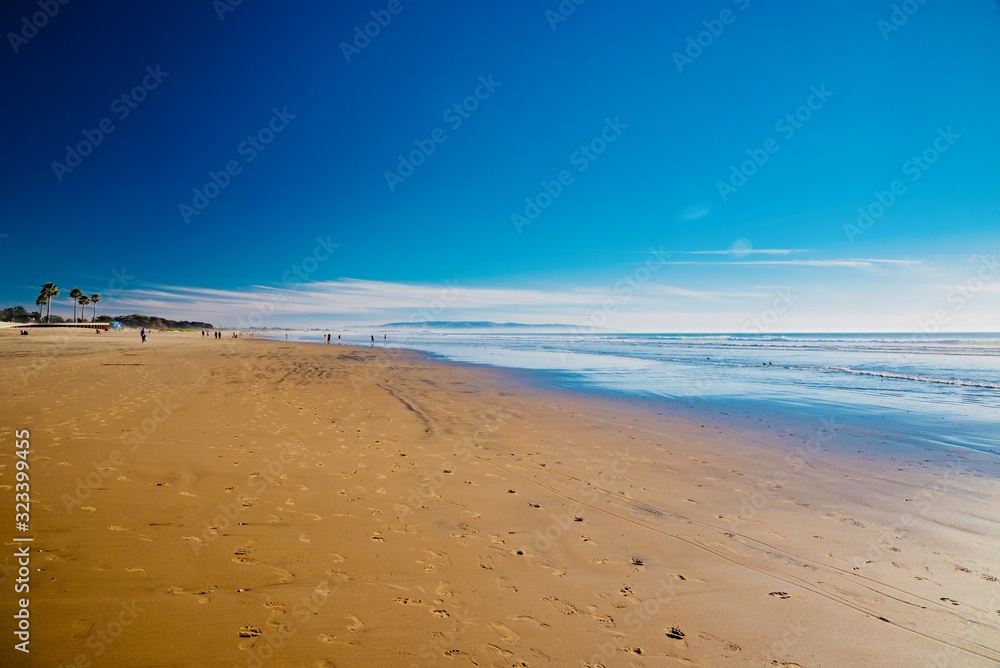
(142, 333)
(338, 339)
(373, 339)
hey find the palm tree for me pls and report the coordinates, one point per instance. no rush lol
(74, 295)
(49, 291)
(84, 300)
(40, 303)
(94, 299)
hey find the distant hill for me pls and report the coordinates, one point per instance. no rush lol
(481, 324)
(154, 322)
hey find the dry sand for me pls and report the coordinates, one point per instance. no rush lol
(243, 503)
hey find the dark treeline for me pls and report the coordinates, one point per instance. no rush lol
(20, 314)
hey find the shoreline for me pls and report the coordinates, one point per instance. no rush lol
(905, 431)
(391, 510)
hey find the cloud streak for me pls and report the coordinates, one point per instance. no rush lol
(364, 301)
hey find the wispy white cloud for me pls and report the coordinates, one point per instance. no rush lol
(358, 300)
(749, 251)
(857, 263)
(842, 294)
(694, 212)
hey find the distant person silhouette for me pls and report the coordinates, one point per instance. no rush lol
(142, 333)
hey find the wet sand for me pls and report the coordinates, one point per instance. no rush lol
(245, 503)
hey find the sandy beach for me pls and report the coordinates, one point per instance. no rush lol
(201, 502)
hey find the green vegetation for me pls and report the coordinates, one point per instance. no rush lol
(20, 314)
(153, 322)
(48, 293)
(75, 295)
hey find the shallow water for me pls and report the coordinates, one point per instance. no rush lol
(935, 388)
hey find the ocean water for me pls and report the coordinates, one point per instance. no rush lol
(937, 389)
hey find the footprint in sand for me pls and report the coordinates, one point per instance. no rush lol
(525, 618)
(780, 594)
(503, 584)
(455, 653)
(249, 632)
(675, 633)
(408, 601)
(506, 634)
(356, 624)
(277, 612)
(82, 628)
(950, 600)
(603, 619)
(242, 555)
(560, 605)
(440, 613)
(444, 590)
(498, 652)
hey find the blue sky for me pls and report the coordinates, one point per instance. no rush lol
(647, 166)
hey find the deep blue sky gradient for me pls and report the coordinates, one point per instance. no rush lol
(655, 186)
